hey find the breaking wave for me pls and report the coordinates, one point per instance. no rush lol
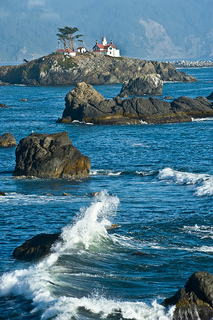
(203, 182)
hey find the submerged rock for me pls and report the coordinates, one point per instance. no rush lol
(195, 302)
(150, 84)
(7, 140)
(84, 104)
(36, 247)
(50, 155)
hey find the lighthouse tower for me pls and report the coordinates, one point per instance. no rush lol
(104, 41)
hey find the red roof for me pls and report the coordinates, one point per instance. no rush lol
(64, 50)
(101, 46)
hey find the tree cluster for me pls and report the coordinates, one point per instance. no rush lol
(68, 37)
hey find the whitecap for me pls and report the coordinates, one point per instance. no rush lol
(203, 182)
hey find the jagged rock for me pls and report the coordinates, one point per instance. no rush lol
(7, 140)
(50, 155)
(150, 84)
(55, 69)
(210, 97)
(195, 302)
(2, 194)
(36, 247)
(92, 108)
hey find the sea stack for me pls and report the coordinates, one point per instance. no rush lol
(50, 156)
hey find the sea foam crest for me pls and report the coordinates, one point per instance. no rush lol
(102, 308)
(89, 229)
(203, 182)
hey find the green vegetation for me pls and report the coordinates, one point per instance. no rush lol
(66, 35)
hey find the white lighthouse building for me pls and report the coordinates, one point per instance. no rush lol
(105, 48)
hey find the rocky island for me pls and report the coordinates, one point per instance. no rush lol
(60, 70)
(85, 104)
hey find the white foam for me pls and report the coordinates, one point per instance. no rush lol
(203, 182)
(90, 228)
(201, 119)
(96, 172)
(68, 307)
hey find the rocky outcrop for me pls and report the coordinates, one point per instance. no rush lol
(210, 97)
(90, 107)
(150, 84)
(36, 248)
(7, 140)
(196, 300)
(50, 155)
(2, 105)
(57, 69)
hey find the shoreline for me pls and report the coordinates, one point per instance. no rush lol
(192, 64)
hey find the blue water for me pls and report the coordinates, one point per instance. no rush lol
(155, 182)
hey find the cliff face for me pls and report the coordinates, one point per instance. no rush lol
(57, 69)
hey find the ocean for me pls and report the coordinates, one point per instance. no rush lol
(154, 181)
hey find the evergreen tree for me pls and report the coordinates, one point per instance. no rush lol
(68, 37)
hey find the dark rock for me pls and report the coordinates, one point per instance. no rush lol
(201, 283)
(50, 155)
(7, 140)
(2, 105)
(195, 301)
(139, 254)
(150, 84)
(83, 104)
(2, 194)
(36, 247)
(210, 97)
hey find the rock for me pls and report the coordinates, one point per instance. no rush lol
(7, 140)
(50, 155)
(139, 253)
(23, 99)
(90, 107)
(2, 105)
(196, 300)
(96, 193)
(210, 97)
(113, 227)
(201, 283)
(36, 247)
(2, 194)
(168, 98)
(66, 194)
(150, 84)
(55, 70)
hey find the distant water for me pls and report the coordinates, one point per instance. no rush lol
(155, 181)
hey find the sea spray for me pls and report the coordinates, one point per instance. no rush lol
(89, 229)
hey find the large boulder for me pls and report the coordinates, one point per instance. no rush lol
(7, 140)
(150, 84)
(50, 155)
(36, 247)
(85, 104)
(195, 302)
